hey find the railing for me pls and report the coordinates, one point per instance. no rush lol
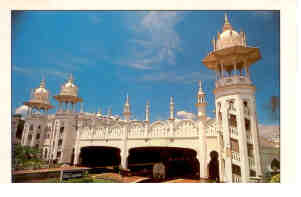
(211, 132)
(233, 132)
(251, 163)
(235, 156)
(236, 178)
(236, 79)
(108, 133)
(249, 138)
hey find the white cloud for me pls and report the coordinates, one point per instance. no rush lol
(174, 77)
(156, 40)
(22, 110)
(40, 72)
(185, 115)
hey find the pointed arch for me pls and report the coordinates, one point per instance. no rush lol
(186, 128)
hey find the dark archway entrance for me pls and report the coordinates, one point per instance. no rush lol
(99, 156)
(213, 166)
(178, 162)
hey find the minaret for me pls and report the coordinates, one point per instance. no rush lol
(127, 109)
(147, 113)
(201, 102)
(235, 105)
(109, 111)
(171, 109)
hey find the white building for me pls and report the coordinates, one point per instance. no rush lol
(227, 144)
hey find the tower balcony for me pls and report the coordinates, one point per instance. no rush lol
(233, 80)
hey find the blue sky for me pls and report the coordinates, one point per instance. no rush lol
(152, 55)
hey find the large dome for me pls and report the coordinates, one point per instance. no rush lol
(40, 94)
(69, 88)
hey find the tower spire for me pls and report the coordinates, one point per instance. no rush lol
(147, 113)
(70, 78)
(201, 101)
(127, 109)
(227, 25)
(171, 109)
(226, 19)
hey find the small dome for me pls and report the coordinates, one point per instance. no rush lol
(229, 37)
(40, 94)
(69, 88)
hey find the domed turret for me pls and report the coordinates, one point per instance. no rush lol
(68, 95)
(40, 94)
(39, 98)
(69, 88)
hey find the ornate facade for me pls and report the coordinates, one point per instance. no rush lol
(233, 134)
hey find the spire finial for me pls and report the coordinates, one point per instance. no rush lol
(70, 77)
(42, 84)
(171, 100)
(226, 19)
(127, 98)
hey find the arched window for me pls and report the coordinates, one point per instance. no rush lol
(29, 139)
(31, 127)
(60, 142)
(45, 153)
(38, 136)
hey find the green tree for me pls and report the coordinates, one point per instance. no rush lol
(26, 157)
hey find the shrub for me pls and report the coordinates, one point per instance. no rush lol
(275, 179)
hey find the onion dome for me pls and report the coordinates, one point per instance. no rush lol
(40, 94)
(69, 88)
(229, 37)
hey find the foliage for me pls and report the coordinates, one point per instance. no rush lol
(25, 157)
(275, 178)
(275, 165)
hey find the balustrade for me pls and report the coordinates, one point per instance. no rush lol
(233, 132)
(235, 156)
(232, 80)
(236, 178)
(249, 138)
(251, 163)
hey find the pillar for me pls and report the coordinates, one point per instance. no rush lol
(222, 69)
(225, 128)
(202, 153)
(243, 148)
(124, 158)
(60, 106)
(255, 136)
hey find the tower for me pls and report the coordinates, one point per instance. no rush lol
(127, 109)
(234, 92)
(201, 102)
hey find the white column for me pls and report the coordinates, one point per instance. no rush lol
(255, 136)
(124, 156)
(222, 68)
(235, 69)
(220, 158)
(202, 153)
(124, 150)
(225, 128)
(243, 148)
